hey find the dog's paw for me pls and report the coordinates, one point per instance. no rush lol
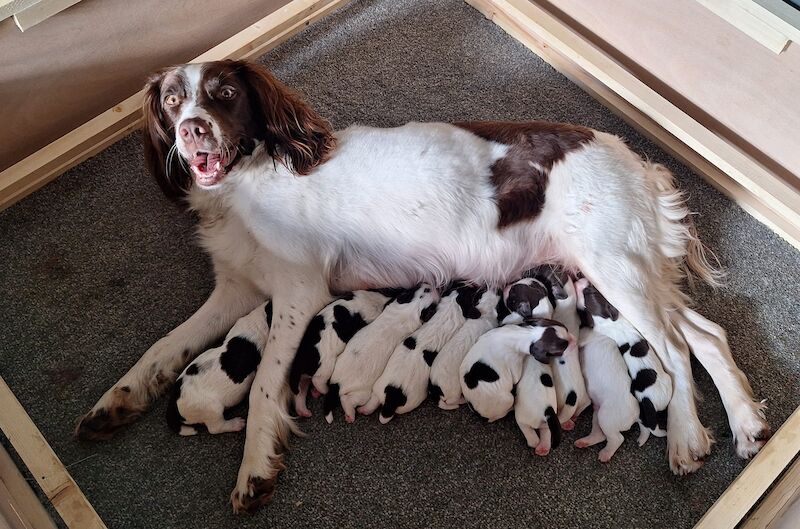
(750, 430)
(255, 493)
(568, 425)
(101, 424)
(688, 452)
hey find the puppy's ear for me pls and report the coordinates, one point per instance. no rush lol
(158, 137)
(294, 134)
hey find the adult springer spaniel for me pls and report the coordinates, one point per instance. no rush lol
(291, 211)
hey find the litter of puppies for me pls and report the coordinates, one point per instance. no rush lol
(546, 347)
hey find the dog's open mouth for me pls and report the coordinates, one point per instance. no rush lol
(209, 168)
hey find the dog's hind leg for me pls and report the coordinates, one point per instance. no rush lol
(709, 344)
(638, 293)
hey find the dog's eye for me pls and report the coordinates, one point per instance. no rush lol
(227, 92)
(171, 100)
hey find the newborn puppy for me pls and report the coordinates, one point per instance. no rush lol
(570, 387)
(652, 386)
(366, 355)
(404, 383)
(220, 378)
(325, 339)
(535, 406)
(608, 383)
(494, 365)
(478, 306)
(526, 298)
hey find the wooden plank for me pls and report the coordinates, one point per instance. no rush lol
(754, 187)
(779, 508)
(47, 163)
(755, 479)
(18, 503)
(754, 27)
(41, 11)
(9, 7)
(47, 469)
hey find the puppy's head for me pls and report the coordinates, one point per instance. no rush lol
(528, 298)
(200, 119)
(551, 339)
(592, 304)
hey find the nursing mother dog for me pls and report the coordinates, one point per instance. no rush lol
(292, 211)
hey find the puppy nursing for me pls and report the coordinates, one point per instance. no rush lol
(651, 385)
(220, 378)
(403, 386)
(479, 309)
(326, 337)
(367, 353)
(390, 349)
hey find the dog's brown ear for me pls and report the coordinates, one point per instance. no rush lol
(294, 134)
(158, 137)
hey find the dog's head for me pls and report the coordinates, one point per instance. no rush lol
(200, 119)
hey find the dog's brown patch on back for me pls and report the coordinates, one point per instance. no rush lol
(520, 177)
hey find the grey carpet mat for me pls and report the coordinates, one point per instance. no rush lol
(97, 266)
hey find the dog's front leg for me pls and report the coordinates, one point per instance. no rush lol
(297, 298)
(162, 362)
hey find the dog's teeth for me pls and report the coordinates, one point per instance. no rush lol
(217, 166)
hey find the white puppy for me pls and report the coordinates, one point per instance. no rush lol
(652, 386)
(220, 378)
(608, 385)
(367, 353)
(494, 365)
(404, 383)
(569, 384)
(480, 310)
(325, 339)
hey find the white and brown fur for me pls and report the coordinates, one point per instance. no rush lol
(479, 307)
(325, 338)
(291, 211)
(651, 385)
(220, 378)
(403, 386)
(367, 353)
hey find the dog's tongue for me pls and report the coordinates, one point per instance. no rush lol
(200, 161)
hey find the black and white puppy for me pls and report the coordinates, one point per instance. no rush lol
(325, 339)
(607, 382)
(403, 385)
(220, 378)
(494, 365)
(367, 353)
(651, 385)
(526, 298)
(479, 308)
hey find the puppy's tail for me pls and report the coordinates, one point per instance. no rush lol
(331, 402)
(554, 425)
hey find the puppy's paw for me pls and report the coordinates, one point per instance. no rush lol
(541, 450)
(568, 425)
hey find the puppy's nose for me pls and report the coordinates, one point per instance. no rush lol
(193, 129)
